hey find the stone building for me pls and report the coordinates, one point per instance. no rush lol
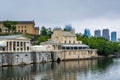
(15, 50)
(23, 27)
(66, 47)
(65, 37)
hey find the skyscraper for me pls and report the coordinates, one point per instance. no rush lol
(113, 36)
(87, 33)
(97, 33)
(105, 34)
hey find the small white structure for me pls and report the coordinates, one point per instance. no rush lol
(40, 54)
(38, 48)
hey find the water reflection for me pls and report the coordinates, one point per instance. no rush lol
(69, 70)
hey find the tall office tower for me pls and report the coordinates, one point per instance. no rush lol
(97, 33)
(113, 36)
(105, 34)
(87, 33)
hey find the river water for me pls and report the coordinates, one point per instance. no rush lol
(97, 69)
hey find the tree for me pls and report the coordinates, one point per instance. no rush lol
(10, 25)
(103, 46)
(43, 31)
(49, 32)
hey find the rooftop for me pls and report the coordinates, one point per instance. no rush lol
(10, 37)
(67, 33)
(22, 22)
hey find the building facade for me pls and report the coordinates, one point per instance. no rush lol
(65, 37)
(15, 50)
(97, 33)
(105, 34)
(24, 27)
(113, 36)
(66, 46)
(87, 33)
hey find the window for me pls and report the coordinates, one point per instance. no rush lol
(63, 47)
(26, 55)
(18, 26)
(22, 26)
(17, 56)
(21, 49)
(25, 26)
(65, 42)
(17, 43)
(27, 48)
(19, 31)
(73, 42)
(25, 31)
(69, 42)
(21, 43)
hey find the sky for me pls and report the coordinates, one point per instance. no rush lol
(81, 14)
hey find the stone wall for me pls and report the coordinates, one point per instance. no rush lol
(75, 54)
(21, 58)
(16, 58)
(41, 57)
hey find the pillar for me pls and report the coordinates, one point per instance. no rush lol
(26, 46)
(8, 46)
(12, 46)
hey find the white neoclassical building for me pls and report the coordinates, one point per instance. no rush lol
(16, 43)
(15, 50)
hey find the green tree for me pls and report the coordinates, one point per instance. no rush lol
(43, 31)
(49, 32)
(103, 46)
(10, 25)
(41, 39)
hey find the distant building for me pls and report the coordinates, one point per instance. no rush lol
(105, 34)
(24, 27)
(113, 36)
(68, 27)
(87, 33)
(97, 33)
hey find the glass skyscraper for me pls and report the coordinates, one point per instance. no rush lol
(105, 34)
(87, 33)
(113, 36)
(97, 33)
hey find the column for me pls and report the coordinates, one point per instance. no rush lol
(26, 46)
(8, 46)
(12, 46)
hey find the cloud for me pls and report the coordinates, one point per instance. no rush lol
(81, 13)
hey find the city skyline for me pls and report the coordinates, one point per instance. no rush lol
(81, 14)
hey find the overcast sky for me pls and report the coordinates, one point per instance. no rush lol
(81, 14)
